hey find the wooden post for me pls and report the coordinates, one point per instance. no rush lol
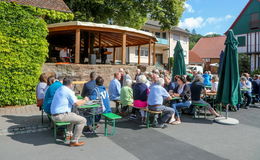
(149, 53)
(99, 41)
(123, 60)
(114, 55)
(154, 54)
(139, 54)
(77, 46)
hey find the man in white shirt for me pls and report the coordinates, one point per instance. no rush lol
(63, 54)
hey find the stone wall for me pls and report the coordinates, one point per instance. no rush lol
(80, 72)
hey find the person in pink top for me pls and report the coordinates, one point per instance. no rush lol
(140, 94)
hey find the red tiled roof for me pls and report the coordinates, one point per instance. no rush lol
(210, 47)
(194, 58)
(58, 5)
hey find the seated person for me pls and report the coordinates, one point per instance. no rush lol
(114, 90)
(89, 86)
(63, 101)
(214, 84)
(255, 88)
(49, 96)
(246, 88)
(155, 102)
(197, 87)
(140, 94)
(126, 95)
(99, 93)
(40, 90)
(207, 79)
(183, 91)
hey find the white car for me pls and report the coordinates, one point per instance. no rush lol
(194, 68)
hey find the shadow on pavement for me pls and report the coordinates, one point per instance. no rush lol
(36, 139)
(189, 119)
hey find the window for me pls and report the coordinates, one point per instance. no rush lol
(158, 34)
(164, 35)
(241, 41)
(206, 59)
(176, 37)
(145, 30)
(254, 21)
(143, 51)
(184, 53)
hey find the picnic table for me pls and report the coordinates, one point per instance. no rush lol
(91, 105)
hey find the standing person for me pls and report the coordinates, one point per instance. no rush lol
(197, 87)
(155, 102)
(40, 90)
(182, 91)
(64, 54)
(126, 95)
(246, 88)
(63, 101)
(103, 55)
(126, 77)
(114, 90)
(140, 94)
(49, 96)
(89, 86)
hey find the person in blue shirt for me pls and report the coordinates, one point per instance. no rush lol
(155, 102)
(115, 89)
(49, 96)
(89, 86)
(207, 79)
(256, 89)
(99, 93)
(63, 101)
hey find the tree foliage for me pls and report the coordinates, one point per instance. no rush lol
(131, 13)
(194, 37)
(23, 50)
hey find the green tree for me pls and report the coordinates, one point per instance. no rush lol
(131, 13)
(23, 50)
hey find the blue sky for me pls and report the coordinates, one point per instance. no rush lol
(211, 16)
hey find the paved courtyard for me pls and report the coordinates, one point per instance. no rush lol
(194, 139)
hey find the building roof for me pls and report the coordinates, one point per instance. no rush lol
(194, 58)
(241, 13)
(158, 26)
(111, 35)
(58, 5)
(210, 47)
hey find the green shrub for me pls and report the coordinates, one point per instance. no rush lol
(23, 50)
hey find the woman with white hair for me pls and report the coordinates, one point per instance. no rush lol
(126, 95)
(197, 87)
(140, 94)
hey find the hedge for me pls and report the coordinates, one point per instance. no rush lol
(23, 50)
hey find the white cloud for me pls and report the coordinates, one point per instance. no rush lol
(210, 33)
(199, 22)
(191, 23)
(213, 20)
(228, 16)
(188, 8)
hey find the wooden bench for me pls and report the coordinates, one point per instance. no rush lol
(197, 108)
(148, 113)
(57, 124)
(110, 119)
(155, 113)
